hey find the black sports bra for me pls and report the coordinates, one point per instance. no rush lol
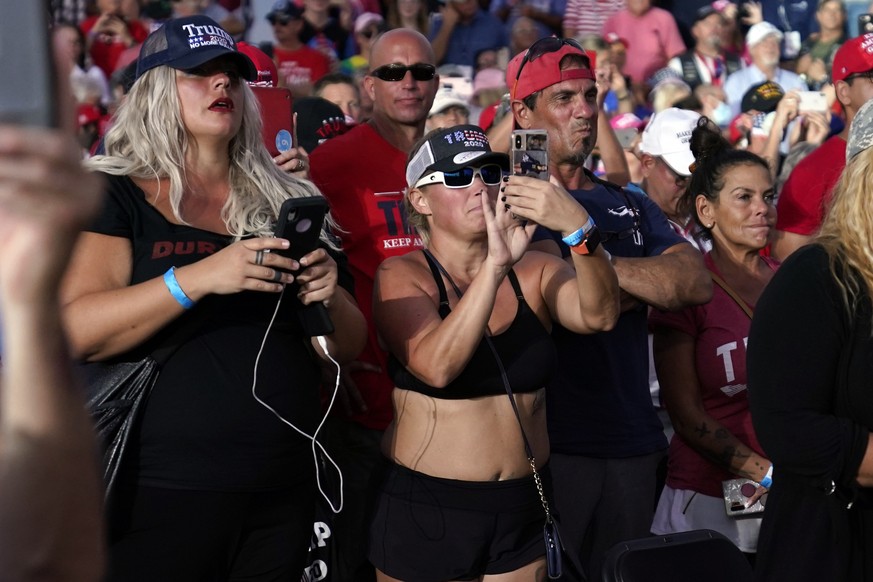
(526, 349)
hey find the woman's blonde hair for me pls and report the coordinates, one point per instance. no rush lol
(847, 231)
(148, 139)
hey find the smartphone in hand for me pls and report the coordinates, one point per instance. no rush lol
(812, 101)
(28, 92)
(277, 117)
(529, 153)
(300, 221)
(865, 23)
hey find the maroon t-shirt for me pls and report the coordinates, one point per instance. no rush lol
(720, 330)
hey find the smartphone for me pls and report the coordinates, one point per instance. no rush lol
(277, 118)
(812, 101)
(736, 494)
(530, 153)
(27, 93)
(626, 136)
(300, 221)
(865, 23)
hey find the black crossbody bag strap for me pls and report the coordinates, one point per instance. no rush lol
(552, 537)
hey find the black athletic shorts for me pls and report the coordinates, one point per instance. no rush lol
(432, 529)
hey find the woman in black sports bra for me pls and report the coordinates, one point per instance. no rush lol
(458, 501)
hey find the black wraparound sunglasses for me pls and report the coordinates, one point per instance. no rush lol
(394, 72)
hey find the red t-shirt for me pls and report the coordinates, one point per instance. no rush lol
(304, 66)
(808, 189)
(720, 330)
(363, 177)
(105, 49)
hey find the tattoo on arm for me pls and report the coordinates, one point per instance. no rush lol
(701, 430)
(731, 452)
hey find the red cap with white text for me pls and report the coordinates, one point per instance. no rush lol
(853, 57)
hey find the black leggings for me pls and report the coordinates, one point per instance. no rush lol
(176, 535)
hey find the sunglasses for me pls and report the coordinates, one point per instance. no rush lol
(633, 231)
(393, 72)
(281, 20)
(551, 44)
(678, 179)
(491, 175)
(212, 68)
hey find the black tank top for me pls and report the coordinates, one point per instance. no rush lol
(526, 349)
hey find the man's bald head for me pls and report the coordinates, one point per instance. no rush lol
(387, 44)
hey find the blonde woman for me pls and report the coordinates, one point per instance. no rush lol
(809, 370)
(217, 487)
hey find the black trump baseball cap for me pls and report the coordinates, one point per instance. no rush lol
(451, 149)
(186, 43)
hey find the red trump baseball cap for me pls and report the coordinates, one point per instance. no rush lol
(853, 57)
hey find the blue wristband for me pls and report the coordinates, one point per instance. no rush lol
(176, 291)
(574, 238)
(767, 481)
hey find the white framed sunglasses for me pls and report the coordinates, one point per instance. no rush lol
(491, 175)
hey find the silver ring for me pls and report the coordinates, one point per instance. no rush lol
(277, 275)
(300, 164)
(259, 257)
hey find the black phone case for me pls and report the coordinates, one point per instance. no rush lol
(300, 221)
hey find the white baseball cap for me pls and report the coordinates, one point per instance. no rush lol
(760, 31)
(668, 136)
(446, 98)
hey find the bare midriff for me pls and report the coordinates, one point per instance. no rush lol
(474, 439)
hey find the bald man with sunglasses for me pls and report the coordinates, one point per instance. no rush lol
(606, 439)
(363, 174)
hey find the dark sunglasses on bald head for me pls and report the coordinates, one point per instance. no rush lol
(395, 72)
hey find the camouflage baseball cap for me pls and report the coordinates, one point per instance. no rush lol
(861, 132)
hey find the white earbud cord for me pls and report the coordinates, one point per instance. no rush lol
(323, 343)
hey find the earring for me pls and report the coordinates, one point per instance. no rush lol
(709, 225)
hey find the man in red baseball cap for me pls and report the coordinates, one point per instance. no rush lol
(606, 439)
(808, 189)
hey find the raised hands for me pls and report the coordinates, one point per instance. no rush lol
(296, 160)
(508, 237)
(545, 203)
(45, 199)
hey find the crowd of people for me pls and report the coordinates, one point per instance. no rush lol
(614, 352)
